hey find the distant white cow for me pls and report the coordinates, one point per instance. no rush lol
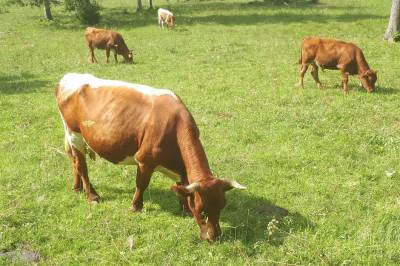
(165, 16)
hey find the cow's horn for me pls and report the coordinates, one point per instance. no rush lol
(235, 184)
(195, 186)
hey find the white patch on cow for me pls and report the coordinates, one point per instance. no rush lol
(74, 81)
(88, 123)
(168, 173)
(165, 11)
(131, 160)
(76, 140)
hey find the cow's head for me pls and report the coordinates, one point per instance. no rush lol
(206, 199)
(129, 56)
(171, 21)
(368, 80)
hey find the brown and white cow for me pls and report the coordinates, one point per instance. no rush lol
(107, 40)
(334, 54)
(165, 16)
(127, 123)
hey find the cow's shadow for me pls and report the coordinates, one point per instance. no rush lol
(246, 217)
(357, 88)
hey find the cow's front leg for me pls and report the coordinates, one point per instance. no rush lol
(107, 53)
(80, 167)
(183, 202)
(345, 80)
(143, 176)
(115, 56)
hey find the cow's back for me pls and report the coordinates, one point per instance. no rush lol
(112, 116)
(98, 37)
(328, 53)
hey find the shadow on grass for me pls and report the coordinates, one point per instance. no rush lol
(188, 14)
(245, 218)
(359, 89)
(22, 83)
(387, 90)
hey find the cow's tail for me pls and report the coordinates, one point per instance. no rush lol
(300, 59)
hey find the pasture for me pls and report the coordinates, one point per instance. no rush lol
(321, 167)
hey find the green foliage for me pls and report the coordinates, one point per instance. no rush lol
(322, 168)
(396, 36)
(87, 11)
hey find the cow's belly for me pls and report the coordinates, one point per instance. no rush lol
(79, 143)
(324, 64)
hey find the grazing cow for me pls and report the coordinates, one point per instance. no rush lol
(165, 16)
(128, 123)
(334, 54)
(107, 40)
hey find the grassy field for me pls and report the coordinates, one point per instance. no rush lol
(330, 160)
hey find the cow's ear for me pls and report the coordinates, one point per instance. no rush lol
(185, 191)
(230, 184)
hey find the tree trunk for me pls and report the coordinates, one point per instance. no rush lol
(47, 11)
(151, 4)
(139, 6)
(394, 21)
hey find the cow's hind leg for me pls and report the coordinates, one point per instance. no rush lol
(92, 57)
(314, 74)
(80, 168)
(77, 178)
(303, 70)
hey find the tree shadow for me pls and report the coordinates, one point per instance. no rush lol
(246, 217)
(191, 13)
(22, 83)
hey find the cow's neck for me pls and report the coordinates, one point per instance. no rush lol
(193, 155)
(362, 64)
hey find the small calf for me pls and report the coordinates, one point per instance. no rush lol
(334, 54)
(165, 16)
(107, 40)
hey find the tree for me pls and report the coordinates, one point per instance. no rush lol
(139, 5)
(87, 11)
(151, 4)
(394, 22)
(47, 11)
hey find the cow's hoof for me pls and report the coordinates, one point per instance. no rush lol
(136, 208)
(78, 189)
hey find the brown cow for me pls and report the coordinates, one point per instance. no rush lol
(334, 54)
(107, 40)
(135, 124)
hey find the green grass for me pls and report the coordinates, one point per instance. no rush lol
(321, 155)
